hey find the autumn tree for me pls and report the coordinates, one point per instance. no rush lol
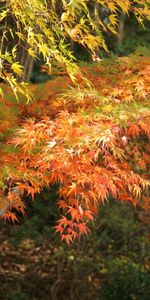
(91, 141)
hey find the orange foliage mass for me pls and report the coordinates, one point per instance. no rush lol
(93, 141)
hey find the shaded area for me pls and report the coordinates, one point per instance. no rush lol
(112, 263)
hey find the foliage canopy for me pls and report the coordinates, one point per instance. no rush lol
(92, 143)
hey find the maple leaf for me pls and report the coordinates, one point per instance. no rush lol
(67, 237)
(63, 221)
(62, 204)
(136, 190)
(133, 130)
(113, 19)
(145, 128)
(73, 233)
(83, 229)
(21, 209)
(88, 214)
(59, 229)
(17, 68)
(75, 213)
(11, 216)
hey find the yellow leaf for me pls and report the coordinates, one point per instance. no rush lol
(20, 35)
(44, 50)
(17, 68)
(107, 108)
(3, 14)
(111, 6)
(32, 53)
(113, 19)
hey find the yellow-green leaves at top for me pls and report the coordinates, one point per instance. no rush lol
(46, 28)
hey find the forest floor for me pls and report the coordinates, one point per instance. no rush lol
(24, 270)
(36, 265)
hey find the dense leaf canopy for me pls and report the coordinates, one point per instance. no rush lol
(92, 143)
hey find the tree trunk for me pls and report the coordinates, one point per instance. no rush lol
(121, 29)
(27, 62)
